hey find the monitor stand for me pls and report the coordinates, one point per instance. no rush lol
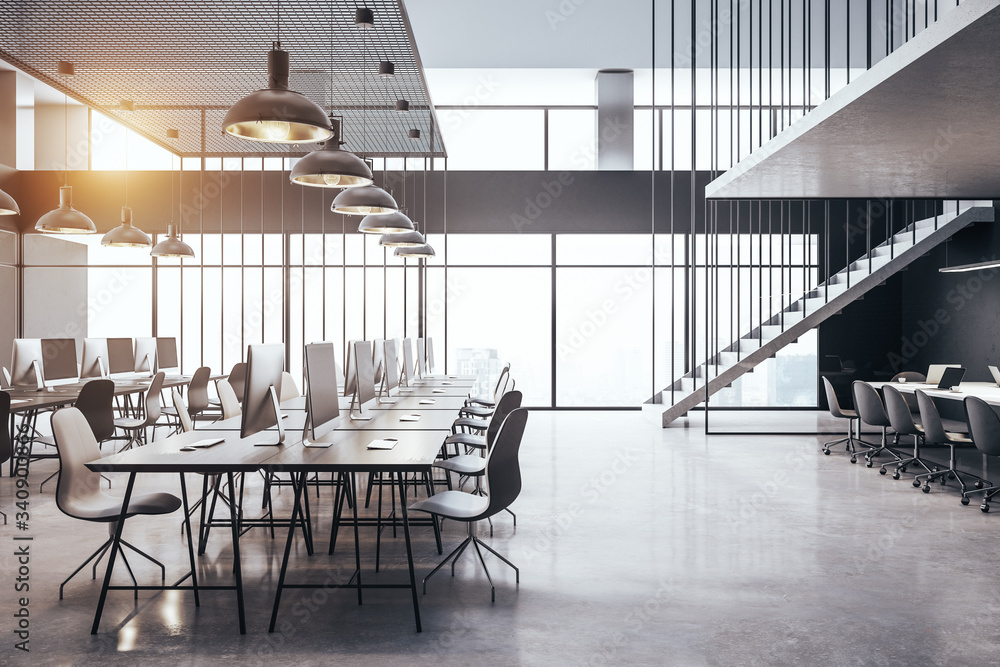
(36, 366)
(388, 400)
(361, 416)
(276, 406)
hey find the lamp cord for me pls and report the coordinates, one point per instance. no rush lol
(66, 138)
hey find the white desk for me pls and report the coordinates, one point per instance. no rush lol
(988, 391)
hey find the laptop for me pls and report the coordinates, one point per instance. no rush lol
(995, 372)
(952, 377)
(935, 371)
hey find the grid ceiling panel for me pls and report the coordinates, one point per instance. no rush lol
(177, 60)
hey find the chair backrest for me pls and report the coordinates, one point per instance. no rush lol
(899, 411)
(238, 380)
(288, 388)
(909, 376)
(984, 425)
(5, 378)
(930, 420)
(187, 424)
(508, 402)
(831, 400)
(869, 404)
(96, 402)
(78, 487)
(501, 381)
(153, 408)
(227, 397)
(6, 446)
(197, 395)
(503, 469)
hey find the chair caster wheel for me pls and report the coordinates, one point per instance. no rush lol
(965, 501)
(927, 488)
(916, 483)
(942, 481)
(902, 469)
(951, 475)
(985, 507)
(882, 470)
(895, 475)
(979, 485)
(868, 464)
(826, 451)
(854, 459)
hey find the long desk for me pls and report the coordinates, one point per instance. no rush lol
(348, 454)
(415, 452)
(448, 403)
(382, 420)
(988, 391)
(165, 456)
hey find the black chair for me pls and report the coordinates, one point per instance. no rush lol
(871, 411)
(833, 404)
(984, 426)
(902, 423)
(910, 376)
(935, 434)
(503, 482)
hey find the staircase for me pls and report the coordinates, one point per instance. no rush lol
(826, 299)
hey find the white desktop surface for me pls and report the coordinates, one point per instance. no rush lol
(988, 391)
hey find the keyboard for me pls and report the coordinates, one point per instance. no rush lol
(207, 442)
(387, 443)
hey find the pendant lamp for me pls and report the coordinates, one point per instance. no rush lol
(172, 246)
(417, 252)
(125, 235)
(65, 219)
(7, 205)
(331, 167)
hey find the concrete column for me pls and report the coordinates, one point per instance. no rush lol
(615, 124)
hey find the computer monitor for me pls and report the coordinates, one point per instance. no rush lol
(364, 373)
(121, 358)
(407, 361)
(350, 378)
(952, 377)
(145, 355)
(166, 353)
(421, 358)
(59, 359)
(261, 408)
(995, 372)
(378, 359)
(935, 371)
(26, 366)
(95, 358)
(429, 344)
(322, 400)
(390, 379)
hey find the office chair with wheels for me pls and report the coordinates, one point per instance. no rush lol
(503, 483)
(97, 403)
(935, 434)
(902, 423)
(910, 376)
(984, 427)
(79, 494)
(840, 413)
(871, 411)
(135, 428)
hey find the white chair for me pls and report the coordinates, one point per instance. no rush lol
(79, 494)
(136, 427)
(227, 398)
(180, 407)
(288, 389)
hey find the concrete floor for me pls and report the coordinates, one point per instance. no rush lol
(637, 545)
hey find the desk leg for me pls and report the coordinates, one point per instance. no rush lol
(187, 526)
(409, 550)
(115, 547)
(297, 484)
(237, 568)
(349, 479)
(338, 508)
